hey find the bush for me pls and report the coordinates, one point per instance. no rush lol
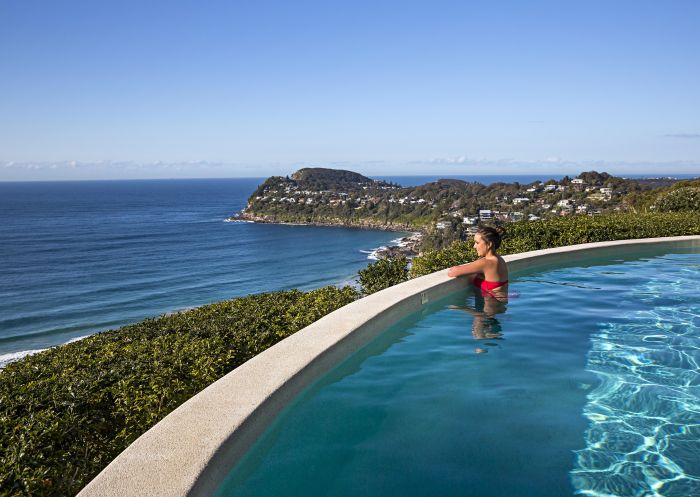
(67, 412)
(383, 274)
(679, 200)
(524, 236)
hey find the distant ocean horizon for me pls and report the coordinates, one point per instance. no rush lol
(80, 257)
(523, 179)
(403, 180)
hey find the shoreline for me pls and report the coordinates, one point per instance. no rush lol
(408, 246)
(245, 217)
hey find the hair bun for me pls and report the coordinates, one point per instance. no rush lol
(501, 231)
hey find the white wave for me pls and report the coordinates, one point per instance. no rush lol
(181, 310)
(372, 255)
(228, 220)
(6, 359)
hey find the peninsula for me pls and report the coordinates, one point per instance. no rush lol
(438, 212)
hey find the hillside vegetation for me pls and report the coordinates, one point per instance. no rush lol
(318, 195)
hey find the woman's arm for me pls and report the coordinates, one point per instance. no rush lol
(473, 267)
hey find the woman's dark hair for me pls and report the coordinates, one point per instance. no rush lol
(493, 236)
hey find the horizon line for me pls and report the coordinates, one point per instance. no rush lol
(640, 175)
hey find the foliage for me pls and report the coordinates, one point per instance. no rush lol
(655, 199)
(556, 232)
(678, 200)
(67, 412)
(459, 252)
(383, 274)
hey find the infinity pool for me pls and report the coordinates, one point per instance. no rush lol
(586, 383)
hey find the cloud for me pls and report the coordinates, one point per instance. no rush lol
(684, 136)
(114, 165)
(462, 159)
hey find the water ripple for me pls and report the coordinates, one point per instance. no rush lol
(644, 433)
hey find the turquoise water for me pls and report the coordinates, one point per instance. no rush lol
(586, 384)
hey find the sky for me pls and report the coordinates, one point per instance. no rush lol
(159, 89)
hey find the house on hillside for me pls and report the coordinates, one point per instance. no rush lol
(578, 185)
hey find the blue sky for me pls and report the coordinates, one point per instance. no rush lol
(148, 89)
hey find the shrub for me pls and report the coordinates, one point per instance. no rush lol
(679, 200)
(524, 236)
(383, 274)
(457, 252)
(67, 412)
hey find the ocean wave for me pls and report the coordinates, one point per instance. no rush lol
(227, 220)
(6, 359)
(373, 255)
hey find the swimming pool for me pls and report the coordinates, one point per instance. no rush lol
(586, 383)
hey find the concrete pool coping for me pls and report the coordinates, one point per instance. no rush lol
(190, 451)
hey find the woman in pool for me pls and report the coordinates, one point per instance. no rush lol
(489, 272)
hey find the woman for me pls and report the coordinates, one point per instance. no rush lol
(489, 272)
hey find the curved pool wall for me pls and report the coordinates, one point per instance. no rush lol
(191, 450)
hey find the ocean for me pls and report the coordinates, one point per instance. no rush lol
(79, 257)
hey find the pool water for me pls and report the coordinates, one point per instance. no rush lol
(587, 383)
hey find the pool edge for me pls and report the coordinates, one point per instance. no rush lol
(190, 451)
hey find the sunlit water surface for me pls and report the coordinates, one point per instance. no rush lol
(587, 383)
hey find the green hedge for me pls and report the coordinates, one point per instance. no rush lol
(67, 412)
(524, 236)
(383, 274)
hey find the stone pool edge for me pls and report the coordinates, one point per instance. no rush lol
(190, 451)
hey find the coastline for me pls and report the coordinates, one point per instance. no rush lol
(408, 246)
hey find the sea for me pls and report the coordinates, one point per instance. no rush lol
(79, 257)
